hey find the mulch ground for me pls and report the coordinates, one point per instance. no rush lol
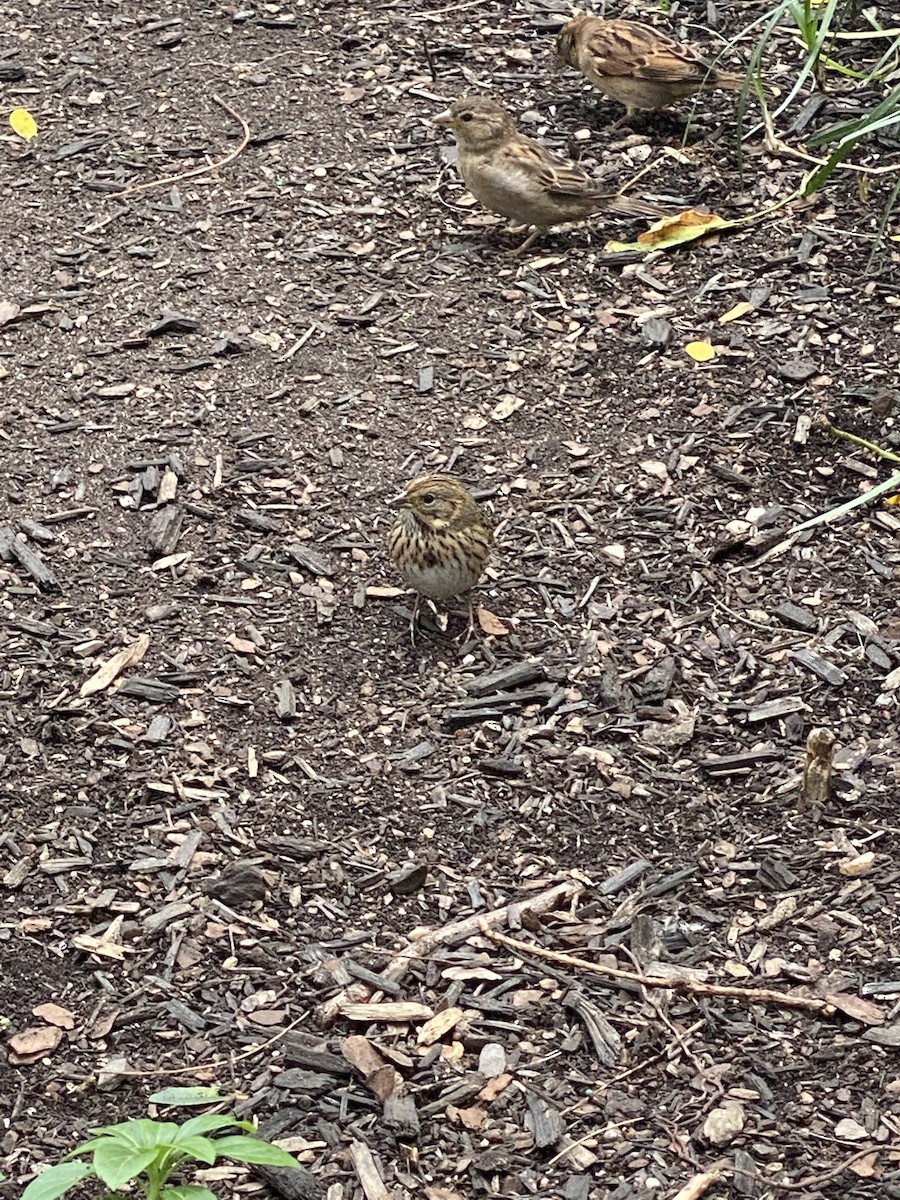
(210, 386)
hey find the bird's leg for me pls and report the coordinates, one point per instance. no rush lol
(414, 619)
(528, 243)
(470, 628)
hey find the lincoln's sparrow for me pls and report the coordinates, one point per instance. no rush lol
(515, 176)
(439, 540)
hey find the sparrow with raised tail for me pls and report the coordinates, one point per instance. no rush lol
(636, 64)
(439, 541)
(515, 176)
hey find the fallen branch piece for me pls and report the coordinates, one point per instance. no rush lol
(691, 987)
(426, 941)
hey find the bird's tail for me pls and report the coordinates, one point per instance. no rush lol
(629, 206)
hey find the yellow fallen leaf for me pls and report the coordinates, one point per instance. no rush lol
(893, 500)
(700, 351)
(684, 227)
(23, 123)
(740, 310)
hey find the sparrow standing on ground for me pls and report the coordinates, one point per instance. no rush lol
(439, 541)
(515, 176)
(636, 64)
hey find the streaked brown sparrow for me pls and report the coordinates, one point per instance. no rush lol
(440, 540)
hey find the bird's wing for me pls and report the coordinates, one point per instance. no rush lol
(629, 48)
(549, 172)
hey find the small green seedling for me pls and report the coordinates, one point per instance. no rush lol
(149, 1152)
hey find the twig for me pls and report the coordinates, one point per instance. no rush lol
(698, 1186)
(204, 170)
(217, 1062)
(690, 986)
(422, 942)
(599, 1088)
(827, 427)
(430, 59)
(811, 1181)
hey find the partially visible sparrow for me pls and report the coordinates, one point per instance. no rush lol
(439, 541)
(636, 64)
(515, 176)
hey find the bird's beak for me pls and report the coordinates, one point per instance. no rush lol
(396, 501)
(444, 118)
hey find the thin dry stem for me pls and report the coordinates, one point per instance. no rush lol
(197, 171)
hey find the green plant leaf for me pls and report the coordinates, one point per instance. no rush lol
(186, 1097)
(253, 1150)
(188, 1191)
(117, 1163)
(201, 1148)
(141, 1133)
(56, 1180)
(85, 1147)
(207, 1122)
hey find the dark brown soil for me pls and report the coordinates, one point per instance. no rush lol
(226, 818)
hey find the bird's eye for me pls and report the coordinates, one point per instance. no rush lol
(428, 498)
(466, 116)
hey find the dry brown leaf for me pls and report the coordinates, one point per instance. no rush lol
(471, 1118)
(684, 227)
(55, 1014)
(104, 1023)
(506, 406)
(867, 1167)
(112, 668)
(36, 1042)
(490, 623)
(857, 1008)
(494, 1087)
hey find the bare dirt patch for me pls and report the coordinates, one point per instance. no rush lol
(234, 820)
